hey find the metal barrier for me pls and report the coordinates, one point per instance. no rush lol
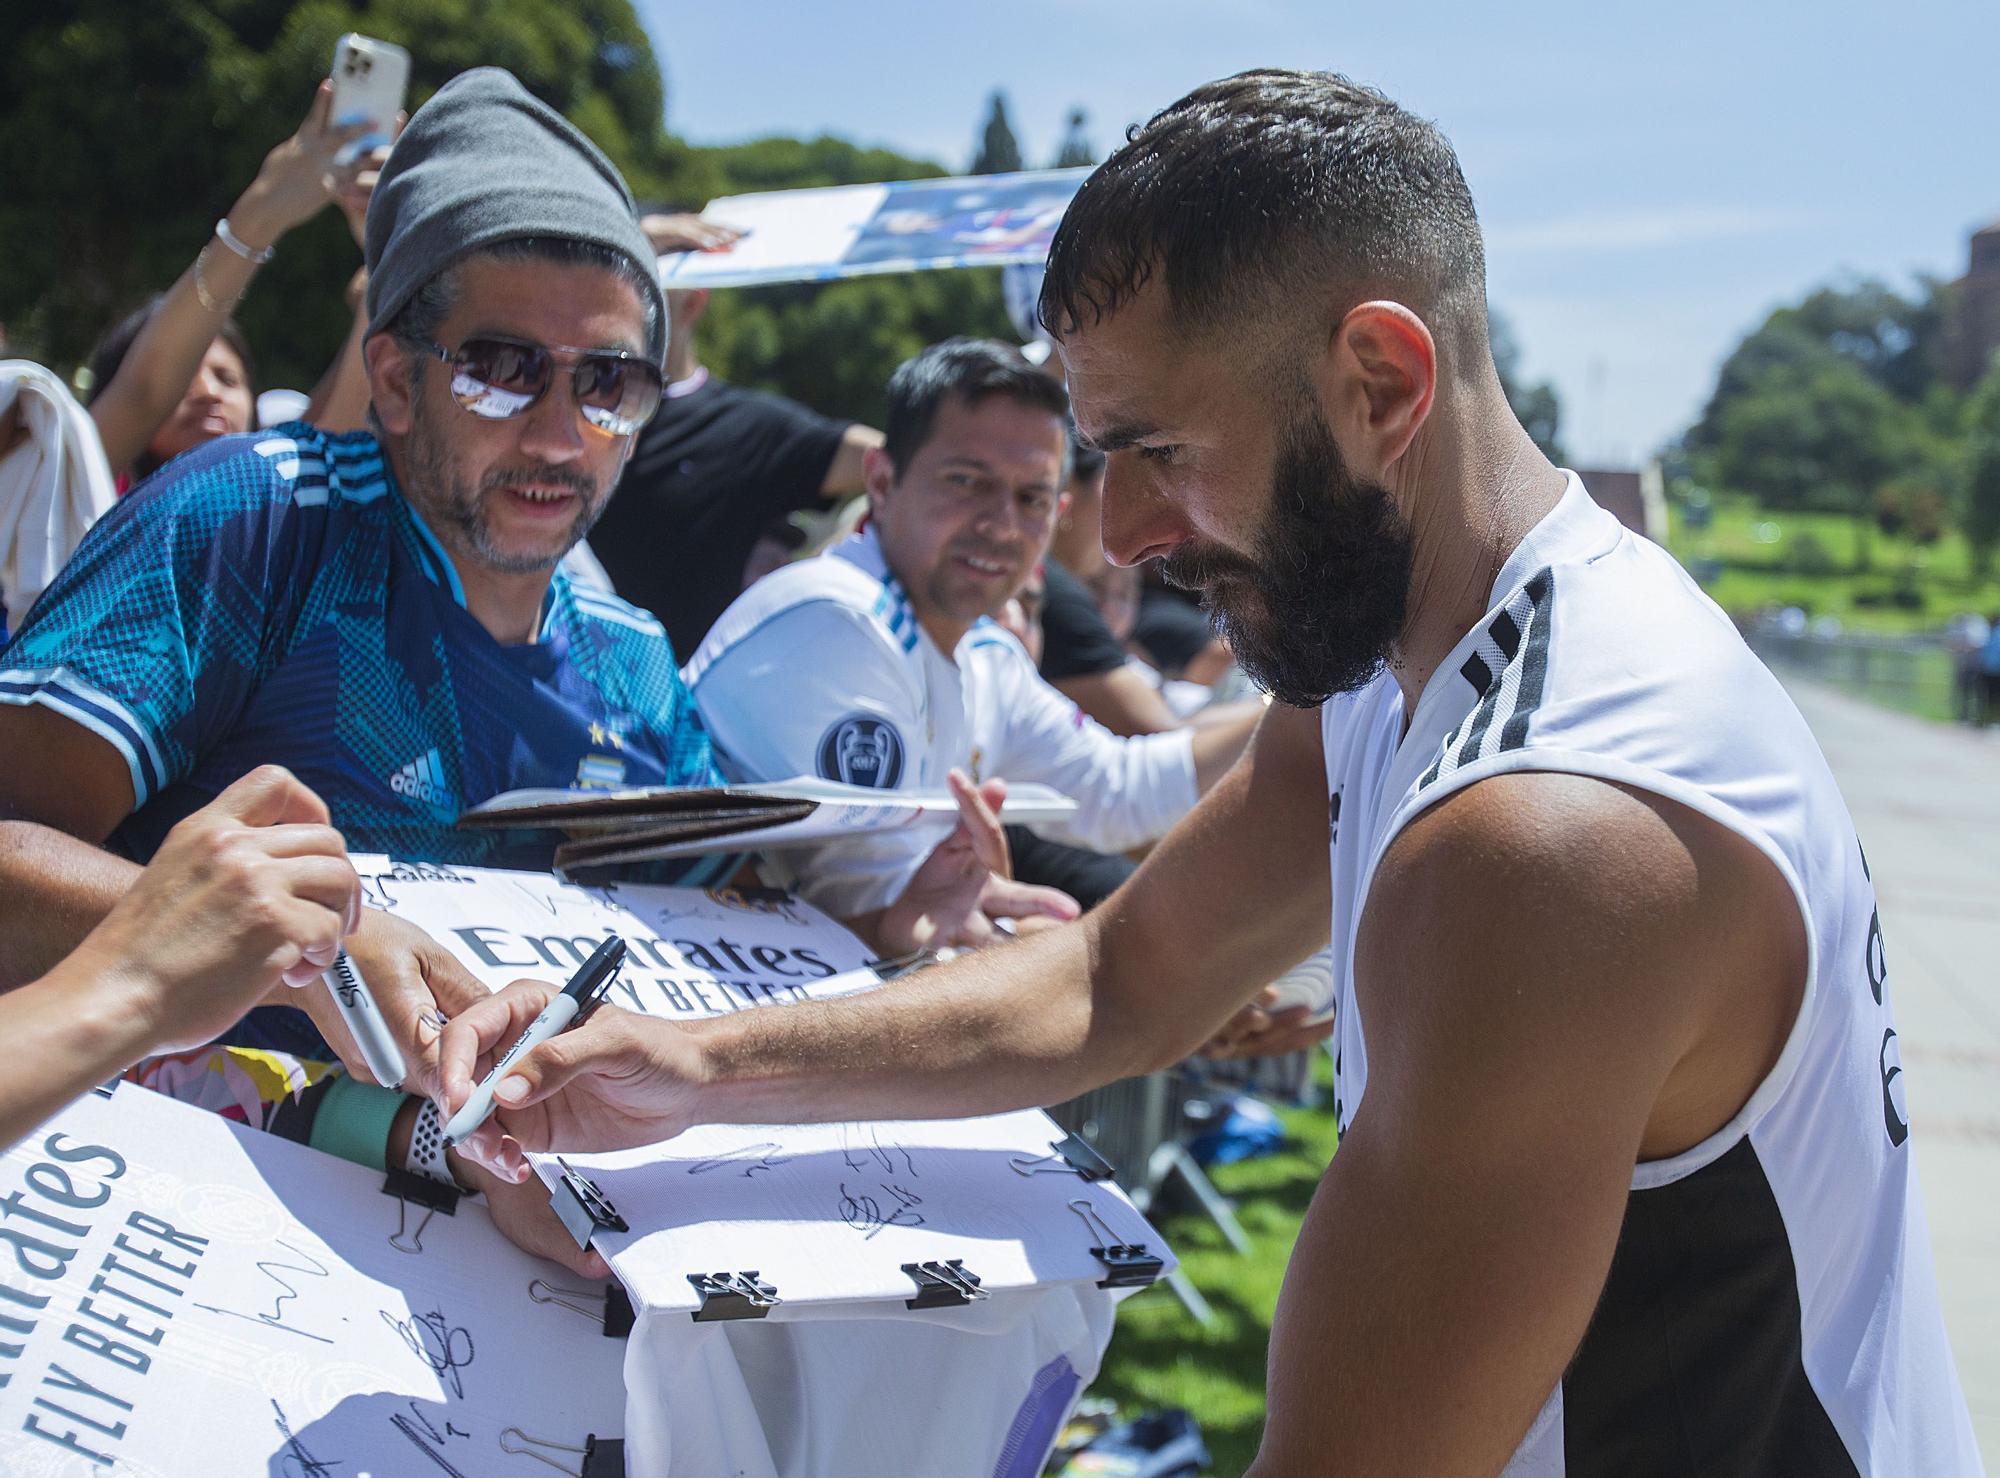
(1914, 674)
(1127, 1121)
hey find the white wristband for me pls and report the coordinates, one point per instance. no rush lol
(426, 1153)
(235, 243)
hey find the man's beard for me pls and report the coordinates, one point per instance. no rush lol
(445, 499)
(1318, 607)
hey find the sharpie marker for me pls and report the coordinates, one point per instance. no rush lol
(364, 1022)
(577, 1000)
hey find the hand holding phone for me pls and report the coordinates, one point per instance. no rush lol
(369, 78)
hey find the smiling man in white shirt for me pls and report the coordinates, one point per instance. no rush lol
(876, 664)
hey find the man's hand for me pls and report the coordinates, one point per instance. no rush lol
(298, 177)
(967, 883)
(417, 984)
(685, 231)
(524, 1216)
(253, 889)
(613, 1082)
(1257, 1031)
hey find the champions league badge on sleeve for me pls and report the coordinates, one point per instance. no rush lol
(862, 751)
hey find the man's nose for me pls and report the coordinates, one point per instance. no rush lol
(1137, 521)
(552, 431)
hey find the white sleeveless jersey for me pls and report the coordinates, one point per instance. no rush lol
(1772, 1307)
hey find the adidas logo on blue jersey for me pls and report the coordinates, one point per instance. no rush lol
(423, 780)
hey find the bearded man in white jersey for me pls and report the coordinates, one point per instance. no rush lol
(1624, 1182)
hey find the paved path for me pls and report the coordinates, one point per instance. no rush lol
(1926, 800)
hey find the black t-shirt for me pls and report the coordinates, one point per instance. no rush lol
(711, 470)
(1076, 642)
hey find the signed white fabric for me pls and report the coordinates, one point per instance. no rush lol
(181, 1295)
(839, 1379)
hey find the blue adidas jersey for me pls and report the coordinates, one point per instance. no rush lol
(273, 598)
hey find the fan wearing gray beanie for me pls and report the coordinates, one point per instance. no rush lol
(381, 612)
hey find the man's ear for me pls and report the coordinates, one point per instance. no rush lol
(1383, 366)
(389, 384)
(878, 475)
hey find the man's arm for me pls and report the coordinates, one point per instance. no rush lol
(1121, 700)
(65, 789)
(1540, 964)
(843, 474)
(62, 791)
(1235, 894)
(250, 890)
(1128, 791)
(1220, 739)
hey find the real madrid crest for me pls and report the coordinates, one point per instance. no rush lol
(860, 750)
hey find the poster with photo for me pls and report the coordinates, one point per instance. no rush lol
(854, 230)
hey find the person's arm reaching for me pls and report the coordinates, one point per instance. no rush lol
(340, 399)
(66, 790)
(843, 474)
(1237, 893)
(1121, 700)
(249, 891)
(298, 177)
(1128, 791)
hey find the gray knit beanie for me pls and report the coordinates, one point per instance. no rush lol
(483, 162)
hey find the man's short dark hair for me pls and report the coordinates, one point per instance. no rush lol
(971, 369)
(1250, 189)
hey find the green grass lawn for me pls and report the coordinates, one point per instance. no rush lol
(1808, 560)
(1161, 1357)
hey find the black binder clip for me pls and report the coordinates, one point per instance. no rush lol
(584, 1210)
(732, 1296)
(1126, 1264)
(1082, 1157)
(426, 1192)
(942, 1285)
(616, 1317)
(603, 1457)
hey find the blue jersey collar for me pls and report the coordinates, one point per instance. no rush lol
(439, 570)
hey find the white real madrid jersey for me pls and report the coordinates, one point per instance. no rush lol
(820, 668)
(1772, 1306)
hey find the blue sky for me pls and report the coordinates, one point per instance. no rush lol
(1653, 179)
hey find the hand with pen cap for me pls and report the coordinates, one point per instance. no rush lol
(252, 890)
(415, 982)
(249, 892)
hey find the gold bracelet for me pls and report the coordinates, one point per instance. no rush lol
(200, 288)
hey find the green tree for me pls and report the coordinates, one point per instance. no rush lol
(1893, 339)
(1820, 435)
(128, 130)
(832, 346)
(1076, 147)
(999, 152)
(1535, 406)
(1982, 481)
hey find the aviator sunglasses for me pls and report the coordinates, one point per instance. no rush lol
(499, 378)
